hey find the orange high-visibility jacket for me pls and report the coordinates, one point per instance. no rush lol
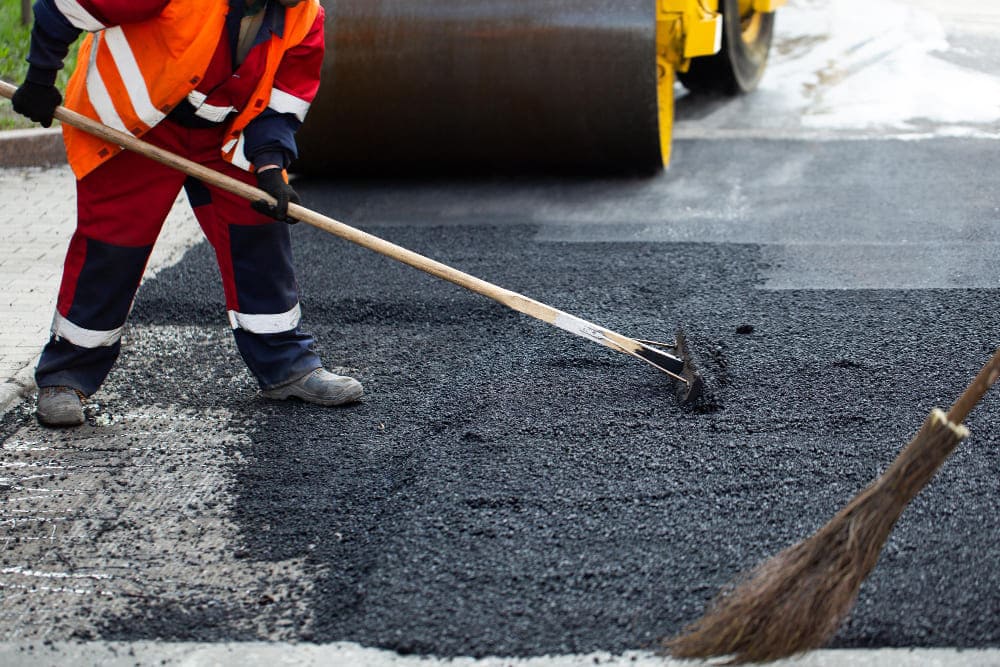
(130, 76)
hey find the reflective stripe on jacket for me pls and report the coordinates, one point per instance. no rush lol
(130, 76)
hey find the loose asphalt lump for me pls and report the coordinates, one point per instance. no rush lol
(503, 488)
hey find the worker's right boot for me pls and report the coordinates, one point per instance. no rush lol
(320, 387)
(59, 407)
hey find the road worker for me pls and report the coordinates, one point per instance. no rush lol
(225, 83)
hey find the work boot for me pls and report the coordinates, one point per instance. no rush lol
(321, 387)
(59, 406)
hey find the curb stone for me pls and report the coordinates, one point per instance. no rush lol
(35, 147)
(17, 387)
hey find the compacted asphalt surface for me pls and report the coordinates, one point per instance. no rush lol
(505, 488)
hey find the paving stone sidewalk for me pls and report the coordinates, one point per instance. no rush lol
(36, 222)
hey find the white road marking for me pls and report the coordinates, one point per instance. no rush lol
(346, 654)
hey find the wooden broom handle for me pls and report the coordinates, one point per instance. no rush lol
(974, 392)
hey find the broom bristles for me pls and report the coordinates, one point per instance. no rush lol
(795, 601)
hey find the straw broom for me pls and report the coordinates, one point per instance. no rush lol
(795, 601)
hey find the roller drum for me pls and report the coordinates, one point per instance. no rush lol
(414, 84)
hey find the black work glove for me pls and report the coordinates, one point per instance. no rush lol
(272, 181)
(37, 101)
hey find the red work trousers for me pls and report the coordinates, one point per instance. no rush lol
(122, 206)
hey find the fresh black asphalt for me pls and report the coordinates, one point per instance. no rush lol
(506, 488)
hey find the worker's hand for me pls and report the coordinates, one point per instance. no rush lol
(272, 181)
(36, 101)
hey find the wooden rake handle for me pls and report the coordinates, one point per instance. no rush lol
(669, 364)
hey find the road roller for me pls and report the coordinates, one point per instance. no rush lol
(410, 86)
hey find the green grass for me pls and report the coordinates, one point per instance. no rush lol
(14, 40)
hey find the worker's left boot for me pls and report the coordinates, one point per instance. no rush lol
(59, 407)
(320, 387)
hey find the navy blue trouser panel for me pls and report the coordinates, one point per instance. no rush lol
(255, 262)
(106, 285)
(276, 359)
(66, 365)
(262, 268)
(98, 299)
(265, 283)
